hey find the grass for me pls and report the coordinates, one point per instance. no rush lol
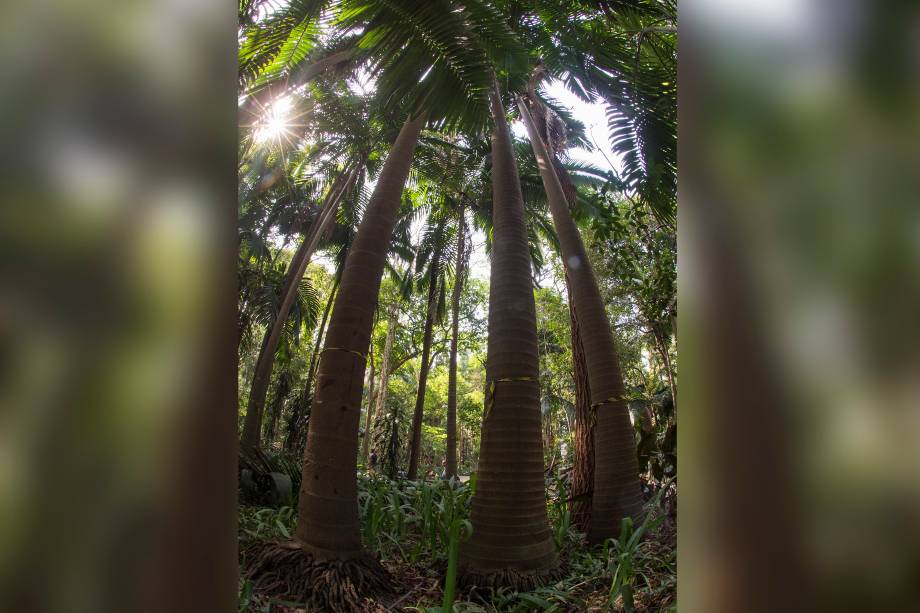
(416, 527)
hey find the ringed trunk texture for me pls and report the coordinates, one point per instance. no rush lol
(327, 519)
(295, 436)
(416, 443)
(616, 472)
(511, 542)
(583, 461)
(451, 463)
(263, 370)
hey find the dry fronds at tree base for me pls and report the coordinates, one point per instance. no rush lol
(482, 583)
(283, 570)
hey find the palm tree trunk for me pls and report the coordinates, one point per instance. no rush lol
(327, 520)
(298, 421)
(416, 442)
(263, 370)
(451, 463)
(583, 461)
(616, 472)
(511, 541)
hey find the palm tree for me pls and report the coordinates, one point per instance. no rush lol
(615, 54)
(616, 477)
(327, 113)
(327, 525)
(511, 542)
(424, 55)
(582, 486)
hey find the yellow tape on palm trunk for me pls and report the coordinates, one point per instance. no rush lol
(594, 407)
(490, 400)
(357, 353)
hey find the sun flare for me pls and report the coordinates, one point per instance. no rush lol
(276, 121)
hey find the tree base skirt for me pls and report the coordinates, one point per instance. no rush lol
(284, 570)
(485, 581)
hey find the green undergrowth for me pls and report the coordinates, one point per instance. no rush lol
(415, 527)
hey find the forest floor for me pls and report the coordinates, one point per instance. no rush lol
(405, 526)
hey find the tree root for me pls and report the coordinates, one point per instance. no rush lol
(481, 583)
(284, 570)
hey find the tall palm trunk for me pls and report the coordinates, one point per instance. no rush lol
(327, 520)
(616, 472)
(583, 461)
(385, 368)
(416, 442)
(263, 370)
(451, 463)
(298, 421)
(511, 541)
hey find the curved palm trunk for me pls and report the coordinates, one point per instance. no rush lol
(583, 461)
(416, 442)
(298, 421)
(511, 541)
(327, 520)
(263, 370)
(616, 472)
(451, 463)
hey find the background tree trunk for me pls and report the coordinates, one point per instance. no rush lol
(296, 269)
(365, 450)
(583, 460)
(392, 322)
(298, 422)
(451, 463)
(327, 521)
(511, 532)
(416, 442)
(616, 469)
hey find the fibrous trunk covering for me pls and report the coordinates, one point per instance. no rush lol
(583, 463)
(327, 521)
(511, 542)
(616, 470)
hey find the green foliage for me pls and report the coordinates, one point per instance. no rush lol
(411, 519)
(417, 522)
(261, 524)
